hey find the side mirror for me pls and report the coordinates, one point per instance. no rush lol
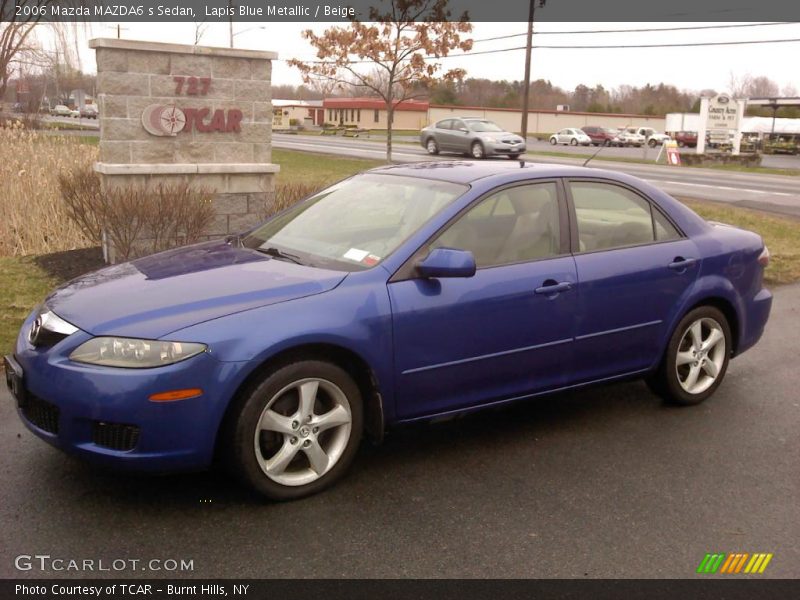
(447, 262)
(463, 130)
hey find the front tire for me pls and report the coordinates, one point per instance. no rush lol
(297, 430)
(696, 359)
(477, 151)
(652, 143)
(513, 156)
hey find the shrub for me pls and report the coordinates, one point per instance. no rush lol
(291, 192)
(136, 220)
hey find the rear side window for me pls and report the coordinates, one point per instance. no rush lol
(610, 216)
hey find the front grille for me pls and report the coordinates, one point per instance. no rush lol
(40, 413)
(115, 436)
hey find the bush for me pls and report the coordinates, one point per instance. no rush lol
(136, 220)
(290, 193)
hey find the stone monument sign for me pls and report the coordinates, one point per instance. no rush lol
(172, 113)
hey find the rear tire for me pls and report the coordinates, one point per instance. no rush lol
(432, 147)
(696, 358)
(573, 142)
(297, 430)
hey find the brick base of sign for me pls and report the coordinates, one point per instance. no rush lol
(243, 194)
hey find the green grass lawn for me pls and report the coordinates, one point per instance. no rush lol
(305, 166)
(23, 284)
(781, 234)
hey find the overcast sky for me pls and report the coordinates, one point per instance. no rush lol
(687, 68)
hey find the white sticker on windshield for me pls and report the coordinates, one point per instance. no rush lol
(356, 254)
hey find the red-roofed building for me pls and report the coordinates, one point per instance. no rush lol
(371, 113)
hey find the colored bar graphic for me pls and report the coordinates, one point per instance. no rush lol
(734, 563)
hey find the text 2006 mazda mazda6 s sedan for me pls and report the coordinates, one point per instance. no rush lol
(403, 293)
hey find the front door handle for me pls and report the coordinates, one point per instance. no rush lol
(681, 264)
(553, 287)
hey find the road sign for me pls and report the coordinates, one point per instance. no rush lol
(673, 154)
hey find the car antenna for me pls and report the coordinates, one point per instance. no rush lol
(599, 150)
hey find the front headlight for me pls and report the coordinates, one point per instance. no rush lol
(132, 353)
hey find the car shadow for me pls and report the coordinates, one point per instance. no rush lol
(405, 449)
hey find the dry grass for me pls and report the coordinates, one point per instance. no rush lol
(33, 217)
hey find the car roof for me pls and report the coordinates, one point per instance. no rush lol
(466, 172)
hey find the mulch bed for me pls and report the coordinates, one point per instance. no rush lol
(69, 264)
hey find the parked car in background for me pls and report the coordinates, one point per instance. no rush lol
(686, 139)
(571, 136)
(473, 136)
(630, 136)
(652, 137)
(602, 136)
(89, 111)
(75, 113)
(61, 110)
(449, 287)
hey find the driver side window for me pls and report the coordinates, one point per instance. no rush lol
(517, 224)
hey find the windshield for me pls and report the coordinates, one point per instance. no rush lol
(354, 224)
(484, 126)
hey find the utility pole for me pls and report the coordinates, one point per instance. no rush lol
(526, 92)
(230, 22)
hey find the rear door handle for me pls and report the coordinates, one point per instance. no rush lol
(552, 287)
(680, 263)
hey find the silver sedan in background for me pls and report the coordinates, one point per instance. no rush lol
(474, 136)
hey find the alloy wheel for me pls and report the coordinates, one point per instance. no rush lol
(477, 150)
(303, 431)
(701, 355)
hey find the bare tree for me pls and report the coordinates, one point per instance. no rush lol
(398, 44)
(200, 29)
(16, 34)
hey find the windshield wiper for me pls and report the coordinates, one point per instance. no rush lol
(276, 253)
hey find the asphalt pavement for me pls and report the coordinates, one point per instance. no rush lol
(604, 482)
(775, 193)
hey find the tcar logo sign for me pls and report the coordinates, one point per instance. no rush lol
(161, 120)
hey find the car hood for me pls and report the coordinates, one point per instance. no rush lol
(498, 135)
(153, 296)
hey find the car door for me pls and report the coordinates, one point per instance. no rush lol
(633, 265)
(506, 331)
(561, 136)
(461, 138)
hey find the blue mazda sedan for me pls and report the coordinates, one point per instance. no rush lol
(400, 294)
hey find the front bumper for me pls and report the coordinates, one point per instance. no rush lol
(505, 149)
(104, 414)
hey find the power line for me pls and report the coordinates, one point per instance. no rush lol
(650, 29)
(605, 47)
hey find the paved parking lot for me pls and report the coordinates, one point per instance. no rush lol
(606, 482)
